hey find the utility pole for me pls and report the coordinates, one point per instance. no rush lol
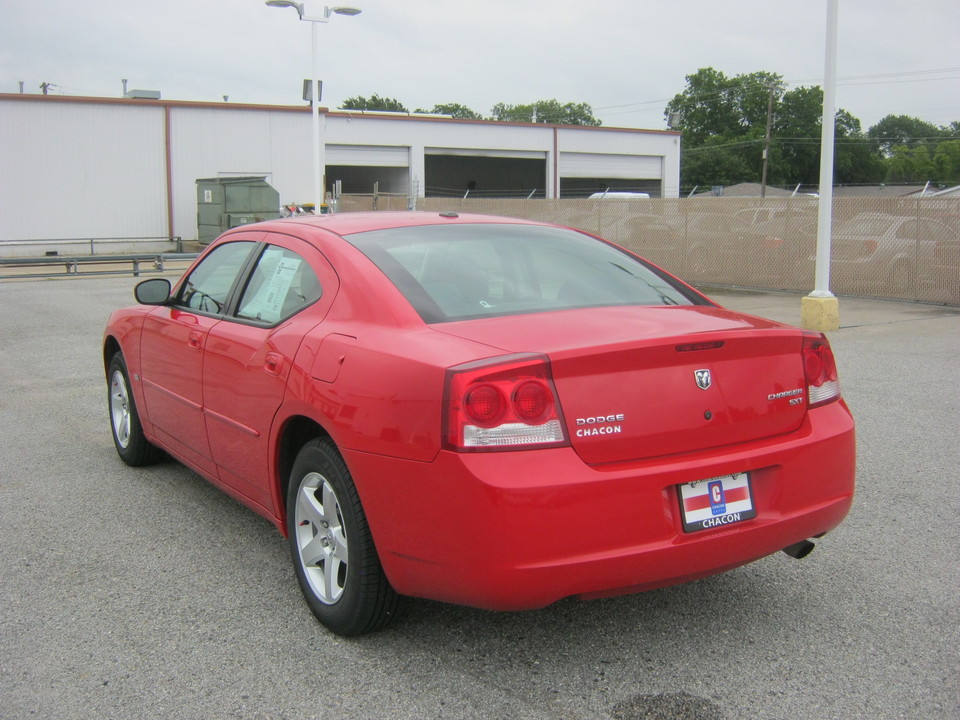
(766, 143)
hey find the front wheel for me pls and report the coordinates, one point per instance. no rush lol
(334, 556)
(134, 449)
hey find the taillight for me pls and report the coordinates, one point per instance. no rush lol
(819, 370)
(502, 403)
(484, 405)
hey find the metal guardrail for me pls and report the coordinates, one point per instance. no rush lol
(143, 263)
(90, 244)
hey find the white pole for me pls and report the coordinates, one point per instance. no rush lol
(315, 109)
(825, 218)
(319, 164)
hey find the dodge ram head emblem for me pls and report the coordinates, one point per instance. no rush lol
(703, 379)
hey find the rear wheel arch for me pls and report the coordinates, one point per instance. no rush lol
(297, 431)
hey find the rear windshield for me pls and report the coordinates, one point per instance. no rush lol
(462, 271)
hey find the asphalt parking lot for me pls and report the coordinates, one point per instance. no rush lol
(149, 594)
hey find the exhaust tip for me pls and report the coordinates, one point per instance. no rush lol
(799, 550)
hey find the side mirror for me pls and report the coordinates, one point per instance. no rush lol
(155, 291)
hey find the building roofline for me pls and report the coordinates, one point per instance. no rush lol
(385, 115)
(350, 114)
(146, 102)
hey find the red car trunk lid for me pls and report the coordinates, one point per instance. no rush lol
(635, 383)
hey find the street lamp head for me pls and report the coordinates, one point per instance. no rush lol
(345, 11)
(287, 3)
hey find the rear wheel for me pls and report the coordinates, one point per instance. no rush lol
(334, 556)
(134, 449)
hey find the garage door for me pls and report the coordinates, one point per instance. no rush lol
(592, 165)
(368, 155)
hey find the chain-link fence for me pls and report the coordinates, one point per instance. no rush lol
(376, 201)
(903, 248)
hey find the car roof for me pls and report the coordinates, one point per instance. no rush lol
(356, 222)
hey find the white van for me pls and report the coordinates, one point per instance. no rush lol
(615, 195)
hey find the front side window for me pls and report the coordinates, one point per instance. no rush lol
(207, 288)
(456, 272)
(281, 284)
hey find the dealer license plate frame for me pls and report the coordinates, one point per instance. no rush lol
(716, 502)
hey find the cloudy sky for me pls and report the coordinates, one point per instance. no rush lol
(625, 58)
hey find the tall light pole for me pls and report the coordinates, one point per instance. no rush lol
(820, 310)
(318, 149)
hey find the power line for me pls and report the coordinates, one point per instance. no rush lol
(775, 141)
(875, 79)
(896, 82)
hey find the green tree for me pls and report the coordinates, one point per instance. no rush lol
(547, 111)
(724, 119)
(715, 105)
(797, 136)
(857, 161)
(894, 130)
(909, 164)
(916, 150)
(713, 163)
(374, 102)
(946, 161)
(454, 109)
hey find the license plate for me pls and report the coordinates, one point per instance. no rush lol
(716, 502)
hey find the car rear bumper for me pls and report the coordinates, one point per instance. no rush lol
(521, 530)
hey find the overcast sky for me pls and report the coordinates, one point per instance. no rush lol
(625, 58)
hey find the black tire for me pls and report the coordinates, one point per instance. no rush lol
(334, 556)
(134, 449)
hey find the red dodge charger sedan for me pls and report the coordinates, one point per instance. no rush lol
(479, 410)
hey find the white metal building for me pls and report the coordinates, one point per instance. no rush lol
(74, 167)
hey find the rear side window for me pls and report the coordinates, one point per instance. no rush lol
(455, 272)
(280, 285)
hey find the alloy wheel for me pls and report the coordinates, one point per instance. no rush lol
(321, 538)
(120, 408)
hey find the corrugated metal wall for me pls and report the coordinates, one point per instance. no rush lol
(209, 142)
(77, 170)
